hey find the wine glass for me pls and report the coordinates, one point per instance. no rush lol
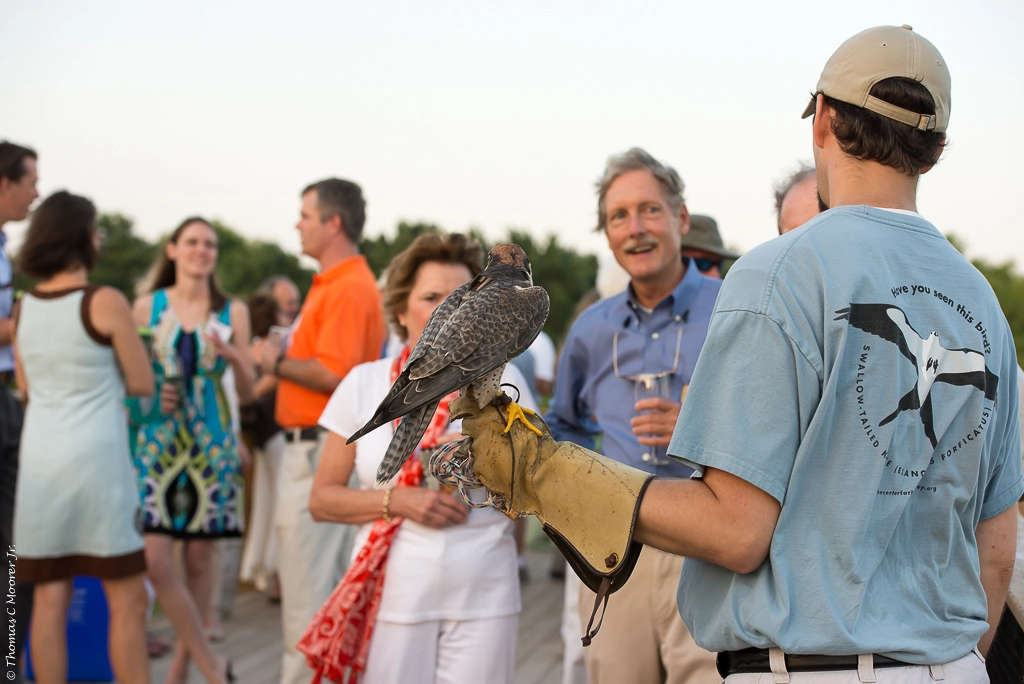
(650, 386)
(173, 373)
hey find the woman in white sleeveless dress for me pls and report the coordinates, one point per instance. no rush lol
(77, 354)
(448, 606)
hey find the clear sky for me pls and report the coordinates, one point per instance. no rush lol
(475, 114)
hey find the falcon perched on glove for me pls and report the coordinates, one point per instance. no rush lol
(465, 346)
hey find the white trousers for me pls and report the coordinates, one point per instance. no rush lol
(259, 559)
(574, 670)
(443, 652)
(967, 670)
(224, 560)
(311, 556)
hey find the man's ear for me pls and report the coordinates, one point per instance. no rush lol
(684, 219)
(334, 223)
(822, 121)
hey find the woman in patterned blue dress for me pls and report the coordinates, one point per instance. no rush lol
(188, 464)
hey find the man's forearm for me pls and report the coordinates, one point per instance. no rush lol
(6, 332)
(309, 373)
(720, 519)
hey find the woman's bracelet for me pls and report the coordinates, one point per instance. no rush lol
(387, 503)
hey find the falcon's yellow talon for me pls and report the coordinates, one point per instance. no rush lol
(517, 412)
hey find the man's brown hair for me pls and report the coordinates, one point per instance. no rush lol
(60, 237)
(263, 310)
(12, 160)
(868, 136)
(337, 197)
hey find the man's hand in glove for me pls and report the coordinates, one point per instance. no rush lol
(586, 501)
(594, 502)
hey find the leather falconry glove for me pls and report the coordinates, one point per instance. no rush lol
(587, 502)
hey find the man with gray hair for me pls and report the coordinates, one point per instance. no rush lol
(641, 344)
(796, 199)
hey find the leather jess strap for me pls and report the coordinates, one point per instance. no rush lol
(751, 660)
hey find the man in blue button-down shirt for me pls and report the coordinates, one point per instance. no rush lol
(623, 372)
(17, 192)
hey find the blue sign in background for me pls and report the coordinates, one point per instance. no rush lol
(88, 627)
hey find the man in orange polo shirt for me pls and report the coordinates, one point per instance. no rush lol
(340, 326)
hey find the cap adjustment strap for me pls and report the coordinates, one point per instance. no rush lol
(922, 122)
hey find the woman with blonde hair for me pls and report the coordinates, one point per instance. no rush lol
(189, 467)
(432, 593)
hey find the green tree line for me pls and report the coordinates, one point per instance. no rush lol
(565, 273)
(562, 271)
(242, 264)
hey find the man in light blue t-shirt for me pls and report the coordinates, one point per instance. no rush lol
(853, 416)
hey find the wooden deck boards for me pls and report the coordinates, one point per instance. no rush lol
(253, 634)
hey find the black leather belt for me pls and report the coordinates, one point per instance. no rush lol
(757, 660)
(310, 434)
(6, 378)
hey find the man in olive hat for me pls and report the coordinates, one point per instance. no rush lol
(852, 421)
(703, 245)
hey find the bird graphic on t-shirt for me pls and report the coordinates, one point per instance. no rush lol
(465, 345)
(935, 363)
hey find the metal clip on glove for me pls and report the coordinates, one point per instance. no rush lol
(587, 502)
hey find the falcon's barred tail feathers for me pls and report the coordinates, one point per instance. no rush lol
(381, 417)
(405, 440)
(475, 331)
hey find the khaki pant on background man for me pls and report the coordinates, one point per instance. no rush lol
(312, 556)
(623, 650)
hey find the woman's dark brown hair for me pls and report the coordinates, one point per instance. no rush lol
(401, 272)
(162, 273)
(263, 310)
(60, 237)
(865, 135)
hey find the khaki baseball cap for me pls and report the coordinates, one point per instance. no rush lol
(880, 53)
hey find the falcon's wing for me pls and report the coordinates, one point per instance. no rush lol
(439, 318)
(484, 330)
(434, 323)
(501, 320)
(496, 325)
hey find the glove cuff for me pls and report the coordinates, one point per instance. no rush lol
(606, 574)
(618, 568)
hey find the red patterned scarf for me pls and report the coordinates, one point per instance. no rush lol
(338, 637)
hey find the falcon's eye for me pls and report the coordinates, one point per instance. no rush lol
(525, 273)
